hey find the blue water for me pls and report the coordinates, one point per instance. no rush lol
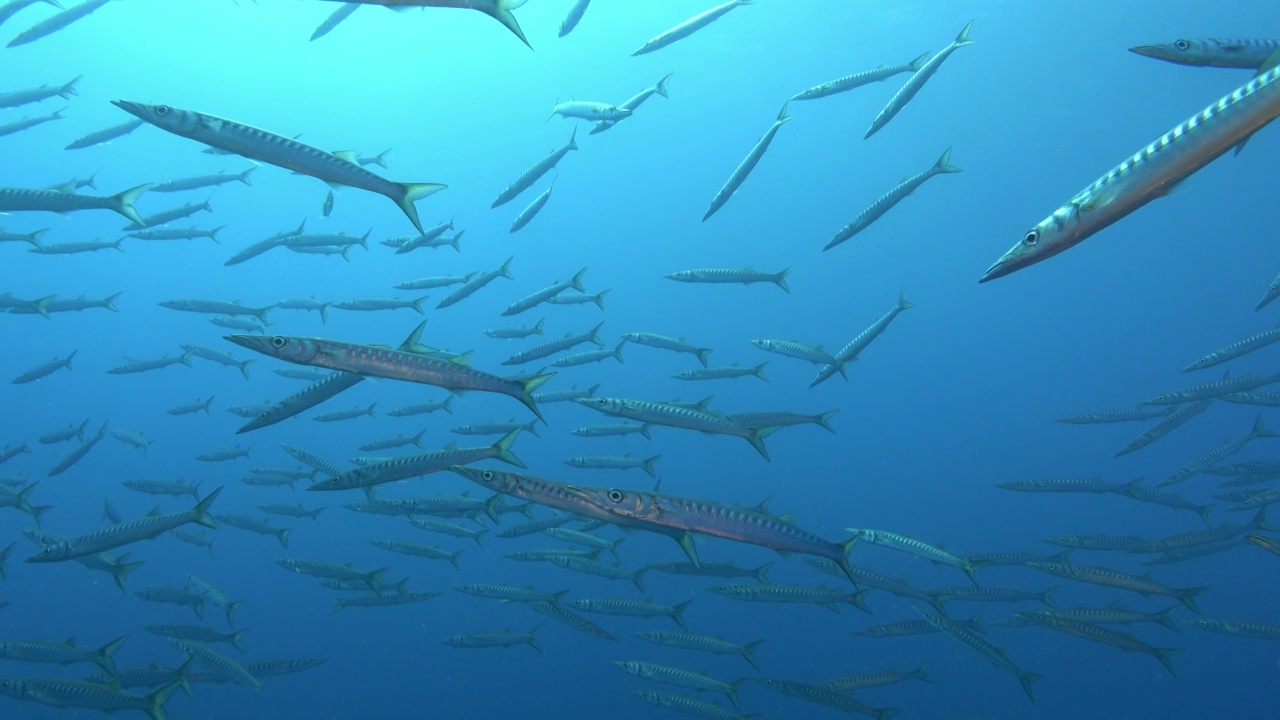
(959, 394)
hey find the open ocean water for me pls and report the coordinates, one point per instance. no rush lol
(961, 392)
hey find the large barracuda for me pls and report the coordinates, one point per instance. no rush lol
(499, 10)
(1246, 54)
(1151, 173)
(125, 533)
(93, 696)
(381, 361)
(255, 144)
(680, 517)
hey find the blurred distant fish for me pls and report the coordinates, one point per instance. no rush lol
(499, 10)
(224, 454)
(470, 287)
(148, 365)
(380, 159)
(54, 23)
(744, 276)
(133, 439)
(690, 26)
(886, 202)
(966, 637)
(1114, 416)
(740, 173)
(590, 110)
(327, 208)
(168, 233)
(910, 545)
(12, 7)
(305, 399)
(1149, 174)
(573, 17)
(551, 347)
(241, 324)
(331, 22)
(30, 199)
(531, 211)
(723, 372)
(29, 122)
(255, 525)
(540, 168)
(423, 408)
(531, 301)
(77, 454)
(75, 248)
(857, 80)
(45, 369)
(217, 307)
(127, 532)
(64, 433)
(255, 144)
(1245, 54)
(854, 348)
(17, 98)
(576, 298)
(99, 137)
(663, 342)
(1236, 349)
(202, 181)
(917, 81)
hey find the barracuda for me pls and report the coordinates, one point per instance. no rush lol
(1246, 54)
(849, 82)
(1142, 585)
(409, 466)
(917, 81)
(971, 641)
(256, 144)
(380, 361)
(748, 164)
(910, 545)
(886, 202)
(1150, 173)
(125, 533)
(680, 417)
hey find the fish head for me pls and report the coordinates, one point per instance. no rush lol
(291, 349)
(495, 480)
(1054, 234)
(652, 696)
(1185, 51)
(1021, 619)
(167, 117)
(628, 666)
(618, 501)
(52, 552)
(608, 406)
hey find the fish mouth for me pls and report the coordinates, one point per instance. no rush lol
(1151, 51)
(1006, 265)
(258, 343)
(131, 107)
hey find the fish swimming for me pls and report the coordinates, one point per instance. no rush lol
(1245, 54)
(499, 10)
(917, 81)
(255, 144)
(690, 26)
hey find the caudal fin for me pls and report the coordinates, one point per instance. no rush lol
(502, 449)
(1026, 678)
(527, 387)
(411, 193)
(156, 700)
(123, 203)
(1188, 598)
(201, 510)
(648, 465)
(780, 279)
(944, 164)
(501, 11)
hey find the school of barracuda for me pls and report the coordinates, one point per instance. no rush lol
(565, 521)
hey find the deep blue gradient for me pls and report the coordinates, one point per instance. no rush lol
(958, 395)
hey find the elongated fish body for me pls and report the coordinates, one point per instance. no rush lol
(902, 543)
(674, 675)
(799, 351)
(663, 342)
(409, 466)
(530, 176)
(748, 164)
(334, 571)
(826, 696)
(196, 633)
(63, 434)
(588, 110)
(201, 181)
(508, 593)
(1236, 349)
(878, 679)
(281, 151)
(1096, 633)
(166, 216)
(219, 662)
(426, 239)
(612, 429)
(1158, 497)
(12, 7)
(690, 26)
(1114, 578)
(31, 238)
(1114, 416)
(782, 419)
(494, 639)
(167, 233)
(1186, 540)
(575, 298)
(1239, 628)
(77, 454)
(104, 135)
(1253, 398)
(1150, 173)
(723, 372)
(471, 286)
(572, 619)
(690, 705)
(496, 428)
(257, 526)
(1172, 421)
(125, 533)
(886, 202)
(551, 347)
(217, 307)
(276, 668)
(744, 276)
(431, 552)
(499, 10)
(423, 408)
(148, 365)
(533, 300)
(21, 199)
(1245, 54)
(74, 248)
(970, 640)
(1224, 450)
(534, 526)
(702, 643)
(1117, 613)
(531, 211)
(29, 122)
(175, 488)
(542, 491)
(436, 282)
(45, 369)
(679, 417)
(342, 13)
(1226, 386)
(850, 352)
(802, 594)
(313, 240)
(54, 23)
(917, 81)
(634, 102)
(573, 17)
(857, 80)
(89, 695)
(224, 454)
(565, 395)
(590, 356)
(376, 361)
(17, 98)
(66, 653)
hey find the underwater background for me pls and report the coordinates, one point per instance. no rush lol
(959, 394)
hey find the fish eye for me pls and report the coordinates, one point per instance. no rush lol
(278, 342)
(1031, 239)
(263, 416)
(162, 110)
(600, 402)
(615, 496)
(486, 475)
(1182, 44)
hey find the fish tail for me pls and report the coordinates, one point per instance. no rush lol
(338, 604)
(213, 234)
(1260, 520)
(453, 560)
(244, 176)
(235, 639)
(284, 537)
(594, 336)
(756, 437)
(971, 572)
(919, 61)
(502, 449)
(780, 280)
(122, 570)
(702, 354)
(649, 463)
(1164, 655)
(599, 298)
(1260, 430)
(106, 655)
(749, 653)
(156, 700)
(201, 510)
(661, 87)
(453, 241)
(573, 139)
(532, 640)
(69, 89)
(1046, 597)
(411, 193)
(374, 579)
(824, 420)
(644, 430)
(1204, 511)
(576, 281)
(501, 11)
(527, 387)
(758, 371)
(244, 368)
(34, 237)
(491, 506)
(1026, 678)
(447, 406)
(505, 270)
(364, 239)
(922, 673)
(479, 534)
(638, 578)
(123, 203)
(231, 611)
(859, 601)
(677, 614)
(944, 164)
(783, 115)
(1165, 618)
(963, 39)
(761, 573)
(1188, 598)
